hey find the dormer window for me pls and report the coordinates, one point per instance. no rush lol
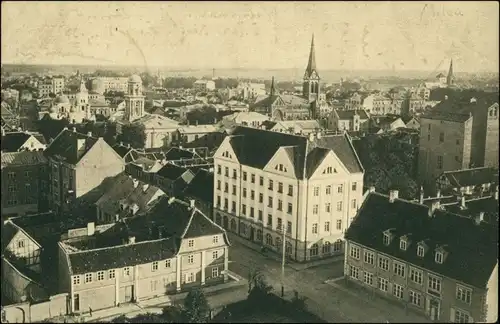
(387, 238)
(420, 251)
(439, 257)
(402, 244)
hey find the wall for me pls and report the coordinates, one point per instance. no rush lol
(491, 140)
(492, 297)
(29, 313)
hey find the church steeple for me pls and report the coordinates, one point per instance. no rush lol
(310, 88)
(273, 89)
(449, 77)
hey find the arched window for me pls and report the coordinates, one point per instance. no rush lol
(259, 235)
(327, 247)
(269, 239)
(243, 228)
(313, 251)
(278, 243)
(337, 246)
(233, 225)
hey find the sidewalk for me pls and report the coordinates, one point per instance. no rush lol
(297, 266)
(218, 295)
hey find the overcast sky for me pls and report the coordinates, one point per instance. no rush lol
(356, 35)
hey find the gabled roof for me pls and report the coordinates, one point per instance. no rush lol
(172, 172)
(255, 148)
(472, 249)
(65, 146)
(9, 230)
(13, 141)
(23, 158)
(122, 150)
(202, 186)
(471, 177)
(176, 153)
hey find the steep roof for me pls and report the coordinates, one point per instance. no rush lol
(472, 249)
(172, 172)
(311, 63)
(12, 142)
(255, 148)
(9, 230)
(23, 158)
(202, 186)
(471, 177)
(176, 153)
(65, 146)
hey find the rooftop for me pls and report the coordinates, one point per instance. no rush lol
(471, 177)
(23, 158)
(66, 147)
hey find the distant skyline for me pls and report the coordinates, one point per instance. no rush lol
(255, 35)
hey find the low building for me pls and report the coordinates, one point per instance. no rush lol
(190, 133)
(22, 141)
(384, 124)
(251, 118)
(412, 123)
(173, 179)
(304, 127)
(429, 260)
(348, 120)
(467, 181)
(170, 248)
(204, 85)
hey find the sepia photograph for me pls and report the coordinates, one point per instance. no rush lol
(249, 162)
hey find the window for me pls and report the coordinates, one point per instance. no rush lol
(340, 188)
(11, 176)
(126, 271)
(252, 212)
(279, 226)
(215, 239)
(270, 202)
(354, 186)
(398, 291)
(289, 227)
(328, 190)
(218, 200)
(316, 191)
(190, 243)
(354, 203)
(313, 251)
(226, 171)
(461, 317)
(457, 142)
(327, 246)
(315, 228)
(383, 263)
(226, 187)
(439, 257)
(290, 190)
(261, 181)
(215, 272)
(440, 162)
(270, 187)
(215, 255)
(339, 206)
(260, 215)
(415, 298)
(290, 208)
(235, 173)
(328, 170)
(327, 226)
(76, 280)
(353, 272)
(399, 269)
(244, 176)
(327, 207)
(269, 220)
(464, 294)
(280, 204)
(154, 266)
(402, 245)
(387, 239)
(233, 206)
(111, 274)
(355, 252)
(383, 284)
(252, 178)
(244, 209)
(369, 257)
(190, 259)
(280, 187)
(441, 137)
(315, 209)
(416, 276)
(88, 277)
(252, 194)
(337, 246)
(168, 264)
(20, 243)
(420, 251)
(261, 198)
(234, 189)
(218, 184)
(434, 283)
(368, 278)
(339, 224)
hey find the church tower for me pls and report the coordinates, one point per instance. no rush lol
(449, 77)
(134, 100)
(311, 89)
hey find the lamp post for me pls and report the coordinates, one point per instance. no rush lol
(283, 261)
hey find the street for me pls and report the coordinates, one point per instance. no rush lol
(324, 300)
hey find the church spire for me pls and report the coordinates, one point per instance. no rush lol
(449, 77)
(311, 64)
(83, 88)
(273, 90)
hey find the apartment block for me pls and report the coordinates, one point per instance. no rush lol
(310, 187)
(168, 249)
(429, 260)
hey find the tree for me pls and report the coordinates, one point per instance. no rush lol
(50, 128)
(258, 288)
(196, 308)
(133, 134)
(205, 115)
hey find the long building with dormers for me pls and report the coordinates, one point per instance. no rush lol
(430, 260)
(310, 185)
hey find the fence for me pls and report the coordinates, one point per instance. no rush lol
(28, 312)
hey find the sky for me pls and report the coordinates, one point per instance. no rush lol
(267, 35)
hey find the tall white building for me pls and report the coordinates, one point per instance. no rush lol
(51, 85)
(309, 185)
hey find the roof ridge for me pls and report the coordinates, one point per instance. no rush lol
(116, 246)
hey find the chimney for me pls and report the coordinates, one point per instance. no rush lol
(473, 100)
(128, 145)
(145, 187)
(171, 200)
(434, 205)
(438, 194)
(89, 134)
(74, 129)
(131, 240)
(479, 218)
(91, 229)
(393, 194)
(371, 189)
(421, 195)
(192, 203)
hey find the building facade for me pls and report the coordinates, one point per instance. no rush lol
(309, 187)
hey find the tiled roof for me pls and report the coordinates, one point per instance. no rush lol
(471, 177)
(9, 230)
(98, 103)
(487, 205)
(349, 114)
(12, 142)
(256, 147)
(65, 146)
(172, 172)
(202, 186)
(472, 249)
(23, 158)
